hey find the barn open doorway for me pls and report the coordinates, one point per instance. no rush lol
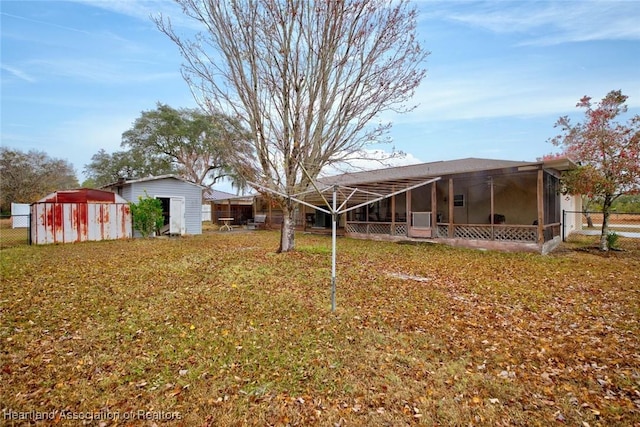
(173, 215)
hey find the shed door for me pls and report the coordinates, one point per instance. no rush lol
(176, 216)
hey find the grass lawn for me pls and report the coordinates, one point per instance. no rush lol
(12, 236)
(220, 330)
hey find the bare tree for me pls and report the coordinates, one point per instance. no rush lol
(26, 177)
(308, 77)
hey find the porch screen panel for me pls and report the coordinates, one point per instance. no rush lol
(551, 199)
(551, 206)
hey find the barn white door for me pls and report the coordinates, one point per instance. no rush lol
(176, 216)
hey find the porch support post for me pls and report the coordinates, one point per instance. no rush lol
(213, 212)
(393, 215)
(408, 212)
(491, 217)
(434, 210)
(304, 217)
(451, 208)
(540, 206)
(254, 206)
(366, 218)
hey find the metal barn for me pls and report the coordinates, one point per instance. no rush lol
(181, 200)
(80, 215)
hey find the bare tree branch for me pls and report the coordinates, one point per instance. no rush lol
(307, 77)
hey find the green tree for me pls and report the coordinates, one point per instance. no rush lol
(308, 78)
(27, 177)
(89, 183)
(607, 151)
(147, 215)
(106, 168)
(629, 203)
(201, 146)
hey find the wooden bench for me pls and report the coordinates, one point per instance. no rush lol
(259, 222)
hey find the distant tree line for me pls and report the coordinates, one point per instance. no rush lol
(26, 177)
(629, 203)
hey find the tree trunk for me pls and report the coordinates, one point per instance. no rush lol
(606, 208)
(589, 219)
(586, 204)
(288, 228)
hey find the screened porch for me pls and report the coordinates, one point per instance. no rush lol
(498, 207)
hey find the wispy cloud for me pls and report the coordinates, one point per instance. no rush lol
(136, 9)
(370, 159)
(108, 39)
(509, 90)
(18, 73)
(546, 22)
(144, 10)
(75, 140)
(50, 24)
(99, 71)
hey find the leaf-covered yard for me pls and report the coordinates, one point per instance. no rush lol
(220, 330)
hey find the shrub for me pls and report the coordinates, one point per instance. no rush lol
(612, 240)
(147, 215)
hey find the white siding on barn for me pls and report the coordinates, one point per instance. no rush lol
(166, 187)
(127, 193)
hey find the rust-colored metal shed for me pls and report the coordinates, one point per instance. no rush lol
(80, 215)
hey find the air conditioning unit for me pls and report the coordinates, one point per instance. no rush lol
(421, 219)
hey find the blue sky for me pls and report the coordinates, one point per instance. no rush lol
(76, 74)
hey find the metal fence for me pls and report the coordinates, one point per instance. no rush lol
(14, 230)
(590, 223)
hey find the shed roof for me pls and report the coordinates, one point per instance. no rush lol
(151, 178)
(82, 195)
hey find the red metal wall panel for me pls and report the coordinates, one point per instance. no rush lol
(79, 222)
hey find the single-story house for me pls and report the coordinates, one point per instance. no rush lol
(181, 200)
(480, 203)
(227, 205)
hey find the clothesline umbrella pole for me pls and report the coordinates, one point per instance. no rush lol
(334, 232)
(331, 210)
(334, 211)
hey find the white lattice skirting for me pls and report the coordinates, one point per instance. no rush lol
(400, 230)
(502, 233)
(471, 232)
(377, 228)
(516, 234)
